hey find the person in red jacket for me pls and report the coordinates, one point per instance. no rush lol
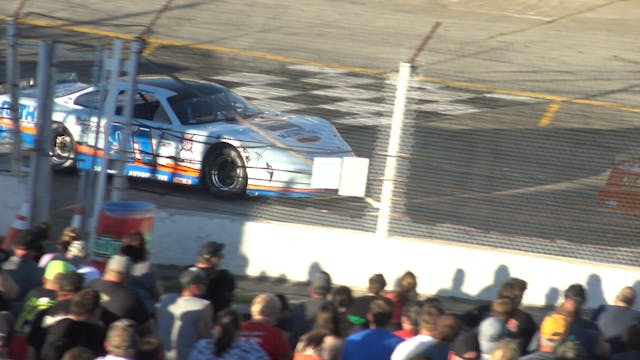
(261, 329)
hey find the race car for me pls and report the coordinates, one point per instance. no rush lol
(189, 132)
(622, 189)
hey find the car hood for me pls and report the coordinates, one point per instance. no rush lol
(312, 135)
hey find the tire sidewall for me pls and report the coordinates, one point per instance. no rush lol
(239, 189)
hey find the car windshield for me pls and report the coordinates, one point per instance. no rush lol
(207, 108)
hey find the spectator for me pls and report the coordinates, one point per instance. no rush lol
(429, 315)
(227, 343)
(613, 320)
(77, 255)
(184, 318)
(68, 235)
(585, 332)
(122, 340)
(447, 330)
(21, 267)
(553, 330)
(507, 349)
(40, 234)
(37, 299)
(465, 347)
(342, 298)
(410, 319)
(118, 300)
(150, 348)
(570, 350)
(220, 282)
(285, 318)
(78, 353)
(520, 322)
(376, 342)
(491, 332)
(304, 313)
(261, 329)
(325, 341)
(142, 277)
(357, 313)
(403, 295)
(575, 296)
(69, 284)
(83, 328)
(631, 344)
(6, 333)
(42, 297)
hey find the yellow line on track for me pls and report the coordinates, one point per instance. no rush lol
(547, 118)
(153, 43)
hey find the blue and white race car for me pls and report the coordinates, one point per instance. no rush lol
(188, 132)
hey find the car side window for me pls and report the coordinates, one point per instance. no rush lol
(90, 100)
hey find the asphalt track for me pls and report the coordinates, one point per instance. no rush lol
(556, 87)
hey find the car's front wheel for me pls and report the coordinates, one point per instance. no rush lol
(63, 149)
(224, 172)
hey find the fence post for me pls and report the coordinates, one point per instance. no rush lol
(386, 194)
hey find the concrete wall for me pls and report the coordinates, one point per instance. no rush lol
(294, 251)
(255, 247)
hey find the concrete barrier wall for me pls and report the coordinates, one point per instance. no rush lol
(294, 251)
(290, 251)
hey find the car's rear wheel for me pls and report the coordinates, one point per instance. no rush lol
(224, 172)
(63, 149)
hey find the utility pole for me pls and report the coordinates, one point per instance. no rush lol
(120, 179)
(12, 82)
(41, 158)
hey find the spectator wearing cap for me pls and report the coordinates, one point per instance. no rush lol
(37, 299)
(69, 284)
(357, 313)
(374, 342)
(82, 328)
(613, 320)
(68, 235)
(261, 328)
(117, 299)
(553, 330)
(408, 349)
(122, 341)
(143, 276)
(184, 318)
(303, 314)
(404, 294)
(221, 284)
(22, 268)
(225, 342)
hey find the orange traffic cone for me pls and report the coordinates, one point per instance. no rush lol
(20, 224)
(76, 220)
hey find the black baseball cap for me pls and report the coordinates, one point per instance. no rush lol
(210, 249)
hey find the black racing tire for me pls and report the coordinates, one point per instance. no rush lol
(224, 172)
(63, 149)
